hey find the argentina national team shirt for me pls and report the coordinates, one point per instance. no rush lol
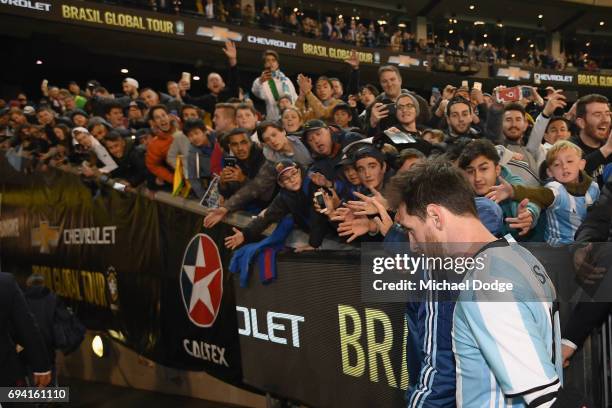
(508, 353)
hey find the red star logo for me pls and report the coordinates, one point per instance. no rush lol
(206, 276)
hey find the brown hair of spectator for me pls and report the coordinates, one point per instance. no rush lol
(113, 136)
(187, 106)
(67, 134)
(100, 89)
(272, 53)
(587, 100)
(370, 88)
(433, 182)
(263, 126)
(323, 78)
(388, 68)
(293, 108)
(437, 133)
(154, 108)
(246, 106)
(15, 109)
(45, 108)
(475, 149)
(455, 100)
(225, 139)
(234, 101)
(112, 105)
(409, 153)
(64, 93)
(228, 108)
(515, 106)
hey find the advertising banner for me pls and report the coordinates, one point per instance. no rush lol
(124, 263)
(311, 337)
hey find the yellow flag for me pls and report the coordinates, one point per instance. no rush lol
(180, 186)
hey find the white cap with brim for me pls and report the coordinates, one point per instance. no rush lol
(76, 130)
(132, 82)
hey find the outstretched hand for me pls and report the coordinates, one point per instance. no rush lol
(353, 60)
(523, 219)
(234, 241)
(230, 52)
(501, 192)
(214, 217)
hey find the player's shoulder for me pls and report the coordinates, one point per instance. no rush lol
(507, 261)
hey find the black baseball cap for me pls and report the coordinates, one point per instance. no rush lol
(313, 124)
(348, 151)
(78, 112)
(369, 151)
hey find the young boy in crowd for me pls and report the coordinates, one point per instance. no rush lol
(480, 161)
(566, 197)
(204, 156)
(294, 198)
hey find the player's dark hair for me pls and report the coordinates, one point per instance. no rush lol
(433, 182)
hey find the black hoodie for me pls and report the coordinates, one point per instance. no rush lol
(42, 303)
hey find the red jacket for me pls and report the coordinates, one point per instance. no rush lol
(155, 159)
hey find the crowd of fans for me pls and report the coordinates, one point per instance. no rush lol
(323, 149)
(372, 34)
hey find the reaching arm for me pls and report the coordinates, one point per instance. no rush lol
(542, 196)
(274, 213)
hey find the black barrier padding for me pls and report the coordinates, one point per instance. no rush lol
(324, 289)
(117, 260)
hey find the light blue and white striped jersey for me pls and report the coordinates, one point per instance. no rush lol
(507, 345)
(567, 212)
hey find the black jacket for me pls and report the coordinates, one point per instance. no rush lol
(595, 161)
(328, 165)
(420, 144)
(298, 204)
(42, 303)
(597, 227)
(208, 101)
(131, 167)
(250, 167)
(17, 325)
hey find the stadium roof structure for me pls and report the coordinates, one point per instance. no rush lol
(580, 16)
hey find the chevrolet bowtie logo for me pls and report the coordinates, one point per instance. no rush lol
(513, 73)
(219, 33)
(404, 61)
(45, 237)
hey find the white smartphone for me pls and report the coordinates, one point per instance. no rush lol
(186, 76)
(318, 196)
(478, 86)
(465, 84)
(119, 186)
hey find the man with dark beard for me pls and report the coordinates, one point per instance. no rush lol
(593, 119)
(514, 126)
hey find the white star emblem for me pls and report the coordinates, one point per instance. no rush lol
(201, 279)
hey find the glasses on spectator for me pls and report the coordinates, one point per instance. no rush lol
(22, 99)
(407, 106)
(290, 176)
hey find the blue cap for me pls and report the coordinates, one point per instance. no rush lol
(490, 214)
